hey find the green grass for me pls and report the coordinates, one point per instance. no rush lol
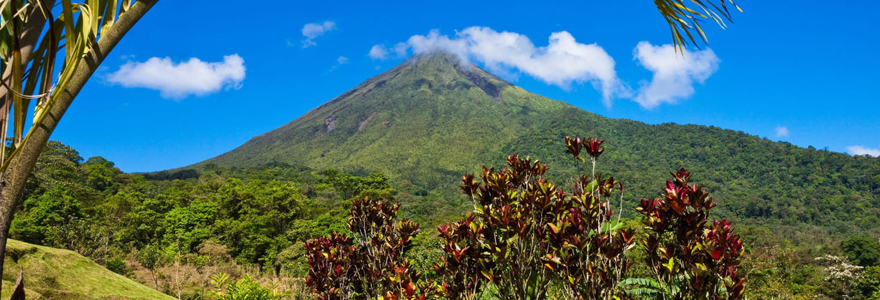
(51, 273)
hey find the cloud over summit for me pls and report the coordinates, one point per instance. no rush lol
(564, 62)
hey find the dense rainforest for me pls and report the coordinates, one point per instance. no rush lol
(184, 231)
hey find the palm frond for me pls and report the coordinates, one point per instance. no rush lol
(28, 66)
(685, 19)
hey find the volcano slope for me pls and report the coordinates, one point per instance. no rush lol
(434, 118)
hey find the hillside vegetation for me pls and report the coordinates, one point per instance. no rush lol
(179, 231)
(51, 273)
(432, 119)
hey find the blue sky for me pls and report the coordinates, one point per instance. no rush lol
(195, 79)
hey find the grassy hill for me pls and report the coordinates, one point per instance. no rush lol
(433, 118)
(51, 273)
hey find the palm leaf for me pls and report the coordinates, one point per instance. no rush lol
(684, 18)
(76, 30)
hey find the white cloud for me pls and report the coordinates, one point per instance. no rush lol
(378, 52)
(674, 73)
(339, 61)
(562, 62)
(179, 80)
(781, 131)
(436, 42)
(313, 30)
(400, 49)
(861, 150)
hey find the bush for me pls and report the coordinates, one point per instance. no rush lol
(526, 232)
(245, 289)
(373, 264)
(692, 257)
(118, 266)
(528, 238)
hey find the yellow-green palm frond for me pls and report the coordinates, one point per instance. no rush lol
(684, 18)
(34, 35)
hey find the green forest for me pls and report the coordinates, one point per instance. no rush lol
(187, 232)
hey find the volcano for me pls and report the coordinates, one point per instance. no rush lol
(429, 120)
(435, 117)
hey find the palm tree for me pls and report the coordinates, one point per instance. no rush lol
(33, 39)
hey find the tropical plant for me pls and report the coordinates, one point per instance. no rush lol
(685, 18)
(245, 288)
(33, 42)
(647, 289)
(690, 256)
(525, 233)
(371, 265)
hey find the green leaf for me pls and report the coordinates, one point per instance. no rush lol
(591, 186)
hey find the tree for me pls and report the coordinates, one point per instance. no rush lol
(86, 32)
(862, 250)
(43, 215)
(151, 258)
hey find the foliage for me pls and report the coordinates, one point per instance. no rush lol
(30, 56)
(869, 286)
(259, 218)
(840, 276)
(862, 250)
(371, 265)
(351, 186)
(257, 221)
(778, 270)
(690, 256)
(245, 288)
(647, 288)
(684, 18)
(43, 215)
(525, 232)
(118, 266)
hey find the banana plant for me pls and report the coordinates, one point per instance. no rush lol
(49, 50)
(684, 17)
(649, 289)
